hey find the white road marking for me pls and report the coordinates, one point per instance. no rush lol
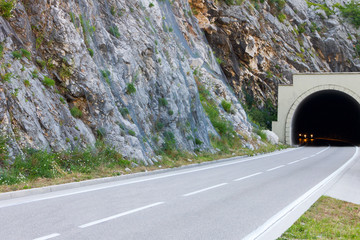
(48, 236)
(204, 189)
(122, 183)
(119, 215)
(294, 162)
(249, 176)
(272, 169)
(304, 158)
(322, 150)
(292, 206)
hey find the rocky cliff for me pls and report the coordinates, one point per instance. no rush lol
(124, 71)
(260, 44)
(147, 75)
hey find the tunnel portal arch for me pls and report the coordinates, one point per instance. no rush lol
(291, 97)
(311, 97)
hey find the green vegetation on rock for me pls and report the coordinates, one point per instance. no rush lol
(124, 111)
(25, 53)
(6, 6)
(323, 7)
(48, 82)
(114, 30)
(262, 117)
(16, 54)
(6, 77)
(170, 142)
(163, 102)
(106, 74)
(27, 83)
(42, 63)
(46, 164)
(130, 88)
(351, 11)
(223, 127)
(4, 152)
(1, 51)
(91, 52)
(226, 106)
(76, 112)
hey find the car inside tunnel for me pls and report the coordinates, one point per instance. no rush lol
(327, 117)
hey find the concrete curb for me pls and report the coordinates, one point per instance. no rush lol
(66, 186)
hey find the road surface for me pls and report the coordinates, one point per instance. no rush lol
(225, 200)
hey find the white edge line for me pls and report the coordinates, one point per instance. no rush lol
(151, 178)
(204, 189)
(48, 236)
(119, 215)
(292, 206)
(249, 176)
(272, 169)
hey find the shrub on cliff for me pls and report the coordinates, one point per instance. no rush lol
(4, 153)
(351, 11)
(226, 106)
(6, 6)
(48, 82)
(75, 112)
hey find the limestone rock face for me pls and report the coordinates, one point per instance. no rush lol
(262, 44)
(119, 70)
(129, 72)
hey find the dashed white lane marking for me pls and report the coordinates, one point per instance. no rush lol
(204, 189)
(272, 169)
(293, 162)
(48, 236)
(304, 158)
(249, 176)
(120, 215)
(322, 150)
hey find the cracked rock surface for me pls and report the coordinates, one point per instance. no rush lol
(119, 70)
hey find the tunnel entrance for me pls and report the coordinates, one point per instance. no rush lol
(327, 117)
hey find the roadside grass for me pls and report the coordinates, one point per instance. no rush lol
(328, 218)
(39, 168)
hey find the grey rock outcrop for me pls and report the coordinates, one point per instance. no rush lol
(271, 137)
(262, 44)
(122, 70)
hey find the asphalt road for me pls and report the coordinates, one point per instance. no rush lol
(226, 200)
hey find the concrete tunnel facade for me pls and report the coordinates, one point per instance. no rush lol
(326, 105)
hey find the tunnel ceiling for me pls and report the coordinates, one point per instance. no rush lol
(328, 114)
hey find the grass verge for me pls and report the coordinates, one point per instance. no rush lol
(39, 168)
(328, 218)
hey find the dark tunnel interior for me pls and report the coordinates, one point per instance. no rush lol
(327, 117)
